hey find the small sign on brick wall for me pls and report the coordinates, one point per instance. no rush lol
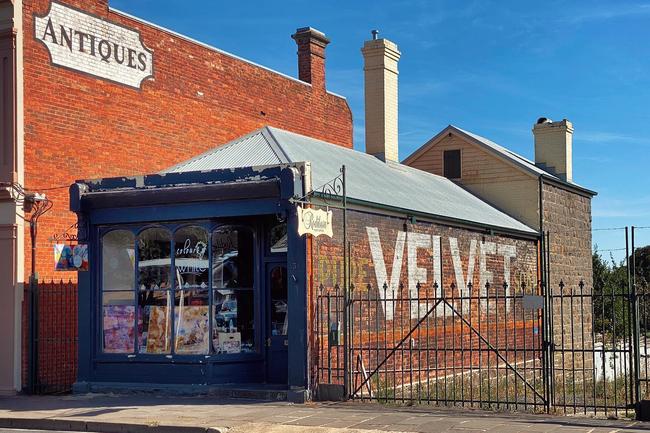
(83, 42)
(314, 221)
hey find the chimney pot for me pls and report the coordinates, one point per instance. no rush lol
(554, 147)
(311, 56)
(380, 70)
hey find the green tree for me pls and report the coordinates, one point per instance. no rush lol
(610, 297)
(642, 262)
(642, 273)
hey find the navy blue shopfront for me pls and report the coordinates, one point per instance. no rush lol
(196, 280)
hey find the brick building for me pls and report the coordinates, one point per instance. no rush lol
(68, 113)
(253, 320)
(197, 274)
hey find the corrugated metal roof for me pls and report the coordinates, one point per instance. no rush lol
(249, 150)
(368, 178)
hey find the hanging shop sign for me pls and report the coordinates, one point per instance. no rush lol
(70, 257)
(314, 221)
(86, 43)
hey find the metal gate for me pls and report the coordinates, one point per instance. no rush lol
(51, 337)
(473, 347)
(543, 346)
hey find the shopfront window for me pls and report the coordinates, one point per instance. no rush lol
(160, 287)
(154, 291)
(233, 295)
(279, 301)
(191, 298)
(118, 279)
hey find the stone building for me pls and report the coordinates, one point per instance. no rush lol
(540, 193)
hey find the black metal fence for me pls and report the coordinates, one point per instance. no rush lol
(553, 347)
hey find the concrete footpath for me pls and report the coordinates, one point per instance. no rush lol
(152, 414)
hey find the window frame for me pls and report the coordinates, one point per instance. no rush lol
(172, 227)
(460, 164)
(268, 245)
(100, 290)
(257, 293)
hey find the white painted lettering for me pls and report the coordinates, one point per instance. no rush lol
(381, 276)
(508, 252)
(93, 45)
(415, 242)
(486, 276)
(462, 282)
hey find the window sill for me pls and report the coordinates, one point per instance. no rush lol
(177, 359)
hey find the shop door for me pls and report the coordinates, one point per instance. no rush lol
(277, 323)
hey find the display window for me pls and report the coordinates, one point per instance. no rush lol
(118, 279)
(154, 259)
(191, 300)
(182, 289)
(233, 309)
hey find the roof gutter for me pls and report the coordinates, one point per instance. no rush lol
(455, 222)
(575, 188)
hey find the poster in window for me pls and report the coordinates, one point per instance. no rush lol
(192, 330)
(158, 332)
(118, 328)
(229, 342)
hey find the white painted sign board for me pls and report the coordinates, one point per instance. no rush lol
(86, 43)
(314, 221)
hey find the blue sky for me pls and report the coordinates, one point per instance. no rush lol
(491, 67)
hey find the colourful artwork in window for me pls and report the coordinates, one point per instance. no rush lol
(155, 330)
(192, 330)
(119, 328)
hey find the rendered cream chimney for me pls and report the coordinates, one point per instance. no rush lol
(380, 68)
(553, 147)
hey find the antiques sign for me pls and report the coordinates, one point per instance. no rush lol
(314, 221)
(86, 43)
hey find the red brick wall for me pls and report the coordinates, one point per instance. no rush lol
(78, 126)
(375, 333)
(328, 270)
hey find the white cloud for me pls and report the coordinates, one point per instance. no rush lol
(615, 10)
(630, 207)
(607, 137)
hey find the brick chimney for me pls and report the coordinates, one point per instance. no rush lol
(553, 147)
(311, 56)
(380, 70)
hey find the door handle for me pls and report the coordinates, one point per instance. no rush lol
(286, 342)
(268, 342)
